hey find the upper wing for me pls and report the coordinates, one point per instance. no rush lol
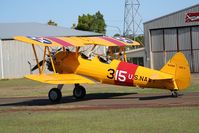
(77, 41)
(36, 40)
(110, 41)
(59, 78)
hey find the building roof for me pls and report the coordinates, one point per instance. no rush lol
(171, 14)
(9, 30)
(135, 50)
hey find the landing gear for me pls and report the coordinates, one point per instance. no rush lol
(174, 94)
(55, 94)
(79, 91)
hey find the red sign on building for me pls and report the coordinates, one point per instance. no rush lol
(192, 17)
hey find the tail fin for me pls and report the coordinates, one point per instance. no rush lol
(178, 66)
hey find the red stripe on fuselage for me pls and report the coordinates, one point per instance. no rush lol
(125, 73)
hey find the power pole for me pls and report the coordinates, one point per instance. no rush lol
(132, 18)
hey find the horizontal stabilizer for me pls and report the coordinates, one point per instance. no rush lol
(59, 78)
(161, 76)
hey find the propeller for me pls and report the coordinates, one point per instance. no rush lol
(48, 61)
(36, 66)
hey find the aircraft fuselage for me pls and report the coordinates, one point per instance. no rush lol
(116, 72)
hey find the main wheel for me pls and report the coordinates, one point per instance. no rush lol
(55, 95)
(174, 94)
(79, 92)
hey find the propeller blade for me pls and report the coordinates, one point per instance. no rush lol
(59, 49)
(36, 66)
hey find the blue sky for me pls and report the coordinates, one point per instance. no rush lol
(65, 12)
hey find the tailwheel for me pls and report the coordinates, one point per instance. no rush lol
(55, 95)
(79, 91)
(174, 94)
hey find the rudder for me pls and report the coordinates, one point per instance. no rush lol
(178, 66)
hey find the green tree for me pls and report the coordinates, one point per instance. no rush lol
(139, 39)
(116, 35)
(73, 26)
(95, 23)
(50, 22)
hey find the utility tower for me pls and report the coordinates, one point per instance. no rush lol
(132, 18)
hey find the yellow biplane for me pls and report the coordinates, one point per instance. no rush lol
(74, 67)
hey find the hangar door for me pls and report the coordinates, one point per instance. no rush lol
(166, 42)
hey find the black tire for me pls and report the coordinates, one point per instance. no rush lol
(55, 95)
(79, 92)
(175, 94)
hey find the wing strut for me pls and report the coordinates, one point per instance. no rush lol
(44, 57)
(51, 60)
(122, 49)
(37, 61)
(41, 68)
(77, 51)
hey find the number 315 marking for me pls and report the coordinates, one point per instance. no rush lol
(111, 73)
(120, 75)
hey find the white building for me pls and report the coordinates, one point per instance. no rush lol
(15, 56)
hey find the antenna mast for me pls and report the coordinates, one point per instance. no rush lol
(132, 18)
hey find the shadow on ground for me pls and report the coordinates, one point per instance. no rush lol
(67, 99)
(157, 97)
(42, 101)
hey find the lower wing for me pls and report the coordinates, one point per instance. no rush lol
(59, 78)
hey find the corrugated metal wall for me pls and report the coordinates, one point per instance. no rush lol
(195, 60)
(174, 34)
(159, 60)
(166, 42)
(184, 38)
(170, 37)
(157, 40)
(1, 61)
(16, 56)
(195, 37)
(195, 46)
(169, 55)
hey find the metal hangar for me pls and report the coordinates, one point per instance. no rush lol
(166, 35)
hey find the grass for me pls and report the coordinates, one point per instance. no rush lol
(150, 120)
(194, 87)
(22, 87)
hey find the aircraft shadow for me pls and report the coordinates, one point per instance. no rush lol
(67, 99)
(71, 99)
(158, 97)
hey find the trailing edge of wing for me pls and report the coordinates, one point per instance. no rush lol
(59, 78)
(77, 41)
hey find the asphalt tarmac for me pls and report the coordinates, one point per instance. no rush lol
(100, 101)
